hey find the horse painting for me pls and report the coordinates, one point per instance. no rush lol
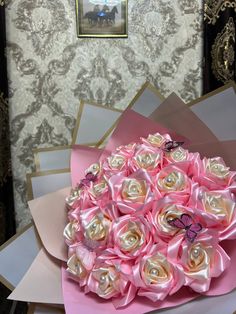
(102, 17)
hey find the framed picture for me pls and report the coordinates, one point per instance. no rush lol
(101, 18)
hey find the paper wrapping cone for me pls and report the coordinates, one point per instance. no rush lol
(50, 218)
(174, 114)
(42, 282)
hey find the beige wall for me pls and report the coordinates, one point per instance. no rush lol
(50, 69)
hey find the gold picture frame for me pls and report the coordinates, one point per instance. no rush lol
(102, 18)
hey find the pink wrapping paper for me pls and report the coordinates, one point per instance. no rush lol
(76, 299)
(131, 127)
(174, 114)
(42, 282)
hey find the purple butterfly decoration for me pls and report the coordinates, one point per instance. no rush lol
(90, 177)
(172, 145)
(186, 222)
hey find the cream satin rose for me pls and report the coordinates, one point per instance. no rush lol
(202, 260)
(80, 262)
(116, 163)
(156, 140)
(72, 232)
(218, 210)
(162, 213)
(157, 277)
(108, 281)
(215, 175)
(180, 155)
(174, 182)
(131, 237)
(147, 158)
(95, 225)
(104, 281)
(131, 194)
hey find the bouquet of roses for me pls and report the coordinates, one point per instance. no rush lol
(150, 220)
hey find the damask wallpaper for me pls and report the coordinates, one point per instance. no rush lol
(50, 69)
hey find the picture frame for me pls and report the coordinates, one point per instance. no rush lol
(102, 18)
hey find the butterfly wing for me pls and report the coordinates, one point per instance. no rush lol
(186, 220)
(177, 223)
(171, 145)
(196, 227)
(190, 235)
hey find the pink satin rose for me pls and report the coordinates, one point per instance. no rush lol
(72, 232)
(127, 150)
(95, 194)
(156, 276)
(95, 169)
(215, 175)
(116, 163)
(96, 227)
(99, 193)
(80, 262)
(131, 237)
(131, 194)
(180, 155)
(162, 213)
(79, 198)
(218, 210)
(156, 140)
(172, 181)
(201, 260)
(108, 281)
(148, 158)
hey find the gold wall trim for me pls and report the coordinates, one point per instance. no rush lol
(222, 53)
(212, 8)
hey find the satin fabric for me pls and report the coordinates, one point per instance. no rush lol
(128, 203)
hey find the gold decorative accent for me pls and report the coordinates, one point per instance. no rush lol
(2, 3)
(212, 8)
(223, 54)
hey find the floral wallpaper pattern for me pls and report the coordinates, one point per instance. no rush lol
(50, 69)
